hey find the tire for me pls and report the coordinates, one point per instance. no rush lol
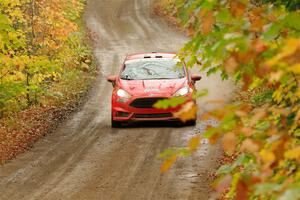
(116, 124)
(184, 124)
(190, 123)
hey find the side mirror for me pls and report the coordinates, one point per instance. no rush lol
(112, 79)
(195, 77)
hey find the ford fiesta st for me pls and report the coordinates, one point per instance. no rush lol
(145, 79)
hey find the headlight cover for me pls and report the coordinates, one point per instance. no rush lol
(123, 94)
(183, 91)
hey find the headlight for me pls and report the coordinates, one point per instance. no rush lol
(123, 94)
(183, 91)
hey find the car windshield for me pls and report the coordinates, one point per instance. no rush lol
(153, 68)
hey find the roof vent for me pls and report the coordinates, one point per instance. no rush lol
(147, 56)
(158, 57)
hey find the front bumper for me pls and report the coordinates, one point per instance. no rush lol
(126, 112)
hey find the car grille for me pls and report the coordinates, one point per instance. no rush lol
(145, 102)
(158, 115)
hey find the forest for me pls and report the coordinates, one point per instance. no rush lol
(45, 63)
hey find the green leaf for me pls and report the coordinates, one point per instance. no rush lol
(224, 75)
(3, 19)
(262, 97)
(272, 31)
(266, 188)
(200, 93)
(225, 169)
(224, 16)
(291, 193)
(234, 183)
(228, 122)
(292, 20)
(167, 153)
(242, 160)
(172, 102)
(262, 125)
(212, 70)
(210, 132)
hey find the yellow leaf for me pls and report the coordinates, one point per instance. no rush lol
(267, 157)
(194, 143)
(289, 49)
(297, 118)
(188, 112)
(295, 68)
(168, 163)
(293, 153)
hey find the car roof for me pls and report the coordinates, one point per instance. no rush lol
(150, 55)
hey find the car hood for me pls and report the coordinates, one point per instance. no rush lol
(164, 87)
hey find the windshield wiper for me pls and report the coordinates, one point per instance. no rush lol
(127, 78)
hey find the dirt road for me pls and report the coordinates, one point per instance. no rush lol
(86, 159)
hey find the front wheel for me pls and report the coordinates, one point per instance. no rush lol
(190, 123)
(187, 123)
(116, 124)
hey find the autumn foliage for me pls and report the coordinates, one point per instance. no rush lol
(40, 42)
(257, 44)
(45, 65)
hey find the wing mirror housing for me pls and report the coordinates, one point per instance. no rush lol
(196, 77)
(112, 79)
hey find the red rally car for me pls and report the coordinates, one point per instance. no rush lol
(145, 79)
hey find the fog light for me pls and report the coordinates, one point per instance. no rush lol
(122, 100)
(122, 114)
